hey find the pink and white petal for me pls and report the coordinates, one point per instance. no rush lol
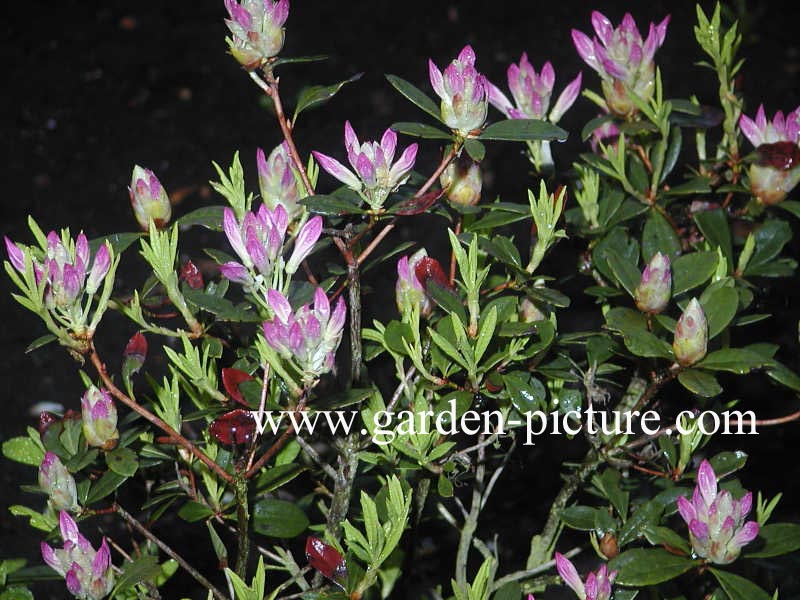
(350, 137)
(437, 82)
(569, 574)
(404, 164)
(15, 255)
(498, 99)
(750, 130)
(467, 55)
(602, 25)
(279, 305)
(337, 170)
(686, 510)
(566, 99)
(746, 534)
(585, 47)
(707, 482)
(389, 145)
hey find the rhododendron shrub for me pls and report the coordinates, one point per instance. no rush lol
(261, 407)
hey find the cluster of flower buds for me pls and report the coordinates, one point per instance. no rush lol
(276, 181)
(597, 585)
(89, 574)
(691, 335)
(622, 58)
(257, 30)
(532, 91)
(409, 290)
(653, 292)
(57, 482)
(464, 93)
(462, 182)
(149, 199)
(717, 527)
(258, 240)
(57, 277)
(99, 418)
(375, 176)
(309, 336)
(776, 171)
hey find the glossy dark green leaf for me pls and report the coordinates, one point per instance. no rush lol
(521, 130)
(526, 392)
(330, 206)
(444, 486)
(713, 225)
(616, 243)
(625, 271)
(475, 149)
(593, 124)
(739, 588)
(659, 236)
(104, 486)
(276, 477)
(415, 95)
(734, 360)
(143, 568)
(395, 333)
(549, 296)
(447, 300)
(609, 484)
(770, 239)
(659, 536)
(278, 518)
(123, 461)
(291, 60)
(194, 511)
(720, 306)
(209, 217)
(578, 517)
(23, 450)
(695, 186)
(317, 95)
(700, 383)
(119, 241)
(791, 206)
(727, 463)
(672, 153)
(649, 566)
(222, 308)
(692, 270)
(638, 340)
(777, 539)
(421, 130)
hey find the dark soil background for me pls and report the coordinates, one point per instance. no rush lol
(94, 87)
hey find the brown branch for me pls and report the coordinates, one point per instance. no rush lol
(173, 435)
(170, 552)
(279, 443)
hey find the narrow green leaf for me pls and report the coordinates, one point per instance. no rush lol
(700, 383)
(209, 217)
(659, 236)
(778, 539)
(415, 95)
(739, 588)
(316, 95)
(421, 130)
(649, 566)
(692, 270)
(522, 130)
(278, 518)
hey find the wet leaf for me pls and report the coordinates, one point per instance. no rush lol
(234, 427)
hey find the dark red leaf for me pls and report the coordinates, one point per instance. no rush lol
(780, 155)
(231, 379)
(192, 276)
(417, 205)
(235, 427)
(325, 559)
(429, 268)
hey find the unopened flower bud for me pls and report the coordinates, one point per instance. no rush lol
(149, 199)
(464, 92)
(257, 30)
(691, 335)
(653, 292)
(276, 180)
(56, 481)
(462, 182)
(99, 418)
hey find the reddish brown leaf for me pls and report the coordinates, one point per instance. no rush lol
(136, 347)
(231, 379)
(46, 419)
(417, 205)
(429, 268)
(325, 559)
(235, 427)
(192, 276)
(780, 155)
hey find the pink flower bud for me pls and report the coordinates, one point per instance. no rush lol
(56, 481)
(462, 182)
(89, 574)
(99, 418)
(256, 28)
(409, 290)
(622, 58)
(463, 91)
(691, 335)
(716, 521)
(304, 243)
(653, 292)
(276, 181)
(597, 585)
(149, 199)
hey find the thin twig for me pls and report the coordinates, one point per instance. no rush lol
(314, 455)
(517, 575)
(131, 520)
(273, 450)
(173, 435)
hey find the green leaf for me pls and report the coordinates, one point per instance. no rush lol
(625, 271)
(444, 486)
(726, 463)
(104, 486)
(209, 217)
(43, 522)
(659, 236)
(770, 239)
(734, 360)
(720, 307)
(664, 536)
(331, 206)
(649, 566)
(526, 392)
(633, 328)
(122, 461)
(421, 130)
(290, 60)
(415, 95)
(192, 511)
(40, 341)
(696, 185)
(278, 518)
(581, 518)
(593, 124)
(143, 568)
(739, 588)
(714, 226)
(23, 450)
(692, 270)
(447, 300)
(700, 383)
(521, 130)
(778, 538)
(616, 243)
(317, 95)
(475, 149)
(119, 242)
(609, 484)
